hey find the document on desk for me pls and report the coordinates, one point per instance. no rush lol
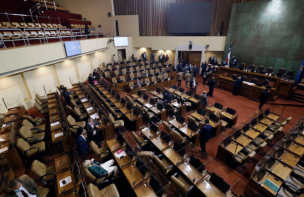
(84, 100)
(55, 123)
(251, 84)
(65, 181)
(145, 129)
(271, 185)
(121, 154)
(3, 149)
(95, 116)
(58, 134)
(90, 108)
(148, 105)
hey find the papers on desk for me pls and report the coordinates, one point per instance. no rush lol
(121, 154)
(95, 116)
(84, 100)
(65, 181)
(145, 129)
(149, 105)
(250, 84)
(3, 149)
(216, 66)
(58, 134)
(55, 123)
(7, 124)
(90, 108)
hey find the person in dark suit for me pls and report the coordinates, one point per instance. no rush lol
(204, 99)
(178, 68)
(263, 98)
(211, 60)
(23, 188)
(161, 58)
(82, 144)
(168, 97)
(205, 135)
(211, 85)
(193, 85)
(153, 57)
(91, 79)
(203, 67)
(238, 83)
(92, 129)
(224, 63)
(144, 56)
(234, 63)
(194, 71)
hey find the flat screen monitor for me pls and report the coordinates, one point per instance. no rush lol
(196, 96)
(230, 111)
(181, 90)
(123, 101)
(261, 116)
(237, 134)
(160, 106)
(253, 121)
(113, 92)
(139, 93)
(136, 112)
(197, 164)
(155, 185)
(130, 152)
(218, 106)
(158, 90)
(72, 48)
(121, 139)
(129, 106)
(121, 41)
(245, 127)
(181, 119)
(152, 101)
(146, 97)
(219, 183)
(154, 127)
(213, 117)
(267, 112)
(117, 96)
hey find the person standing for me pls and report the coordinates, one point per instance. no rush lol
(178, 68)
(205, 135)
(82, 144)
(263, 97)
(92, 129)
(186, 69)
(161, 57)
(167, 58)
(153, 57)
(191, 68)
(238, 83)
(188, 78)
(203, 67)
(224, 63)
(65, 93)
(211, 60)
(193, 85)
(114, 58)
(204, 99)
(194, 71)
(87, 31)
(25, 188)
(144, 56)
(234, 63)
(211, 84)
(180, 78)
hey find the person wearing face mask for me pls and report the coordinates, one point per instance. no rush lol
(82, 144)
(26, 188)
(92, 129)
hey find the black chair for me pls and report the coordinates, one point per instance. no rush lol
(244, 78)
(260, 68)
(265, 82)
(289, 74)
(251, 68)
(281, 72)
(254, 80)
(269, 70)
(242, 66)
(234, 76)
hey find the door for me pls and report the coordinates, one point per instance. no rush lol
(195, 59)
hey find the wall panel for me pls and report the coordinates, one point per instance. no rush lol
(67, 71)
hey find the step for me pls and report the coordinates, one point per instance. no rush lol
(295, 99)
(299, 96)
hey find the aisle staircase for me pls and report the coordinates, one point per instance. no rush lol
(298, 95)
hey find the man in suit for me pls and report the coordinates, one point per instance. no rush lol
(168, 97)
(26, 188)
(234, 63)
(82, 144)
(92, 129)
(224, 63)
(211, 85)
(161, 58)
(203, 67)
(263, 98)
(188, 78)
(180, 78)
(190, 68)
(144, 56)
(153, 57)
(204, 99)
(238, 83)
(186, 69)
(211, 60)
(194, 71)
(193, 85)
(205, 135)
(178, 68)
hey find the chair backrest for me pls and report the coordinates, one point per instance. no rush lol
(132, 76)
(25, 132)
(251, 67)
(114, 81)
(71, 120)
(77, 111)
(94, 147)
(177, 136)
(111, 118)
(290, 72)
(234, 76)
(153, 79)
(260, 68)
(38, 106)
(254, 80)
(138, 141)
(39, 97)
(281, 71)
(22, 145)
(147, 80)
(167, 127)
(160, 164)
(191, 120)
(242, 66)
(122, 78)
(38, 101)
(180, 186)
(93, 190)
(269, 70)
(38, 168)
(265, 82)
(27, 123)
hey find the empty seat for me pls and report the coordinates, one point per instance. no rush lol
(183, 185)
(16, 35)
(59, 26)
(73, 124)
(289, 74)
(163, 164)
(281, 72)
(102, 152)
(30, 136)
(140, 140)
(6, 25)
(242, 66)
(36, 128)
(40, 109)
(30, 150)
(43, 25)
(269, 70)
(254, 80)
(109, 190)
(241, 159)
(30, 25)
(251, 67)
(35, 121)
(260, 68)
(37, 25)
(33, 34)
(116, 123)
(6, 35)
(42, 171)
(15, 25)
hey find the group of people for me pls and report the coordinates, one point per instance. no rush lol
(162, 57)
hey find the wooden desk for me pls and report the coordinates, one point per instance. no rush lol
(280, 170)
(296, 149)
(260, 127)
(114, 100)
(53, 105)
(289, 159)
(7, 127)
(52, 100)
(155, 93)
(252, 133)
(266, 121)
(213, 109)
(56, 127)
(188, 132)
(15, 110)
(4, 147)
(62, 175)
(234, 148)
(194, 100)
(176, 124)
(62, 162)
(244, 140)
(162, 113)
(10, 118)
(113, 144)
(5, 136)
(173, 156)
(52, 95)
(209, 189)
(159, 143)
(144, 190)
(198, 116)
(133, 174)
(119, 105)
(135, 96)
(54, 118)
(124, 110)
(54, 110)
(299, 139)
(122, 161)
(272, 178)
(181, 107)
(272, 116)
(57, 135)
(148, 132)
(190, 172)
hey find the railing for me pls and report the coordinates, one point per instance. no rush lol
(33, 9)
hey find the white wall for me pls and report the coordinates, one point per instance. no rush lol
(84, 67)
(66, 71)
(127, 25)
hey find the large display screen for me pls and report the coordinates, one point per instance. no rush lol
(72, 48)
(121, 41)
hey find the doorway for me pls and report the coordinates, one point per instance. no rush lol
(121, 54)
(192, 57)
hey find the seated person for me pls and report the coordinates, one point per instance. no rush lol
(25, 189)
(98, 169)
(82, 144)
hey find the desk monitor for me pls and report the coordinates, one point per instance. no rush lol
(261, 174)
(160, 106)
(158, 90)
(123, 101)
(192, 126)
(230, 111)
(201, 111)
(245, 127)
(219, 183)
(189, 93)
(72, 157)
(154, 127)
(146, 97)
(301, 126)
(136, 112)
(213, 117)
(130, 152)
(253, 121)
(139, 93)
(109, 89)
(174, 87)
(268, 87)
(113, 92)
(152, 101)
(271, 161)
(261, 116)
(181, 119)
(266, 112)
(76, 172)
(140, 165)
(196, 96)
(227, 141)
(117, 96)
(130, 106)
(197, 164)
(237, 134)
(179, 148)
(218, 106)
(181, 90)
(155, 185)
(181, 101)
(120, 139)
